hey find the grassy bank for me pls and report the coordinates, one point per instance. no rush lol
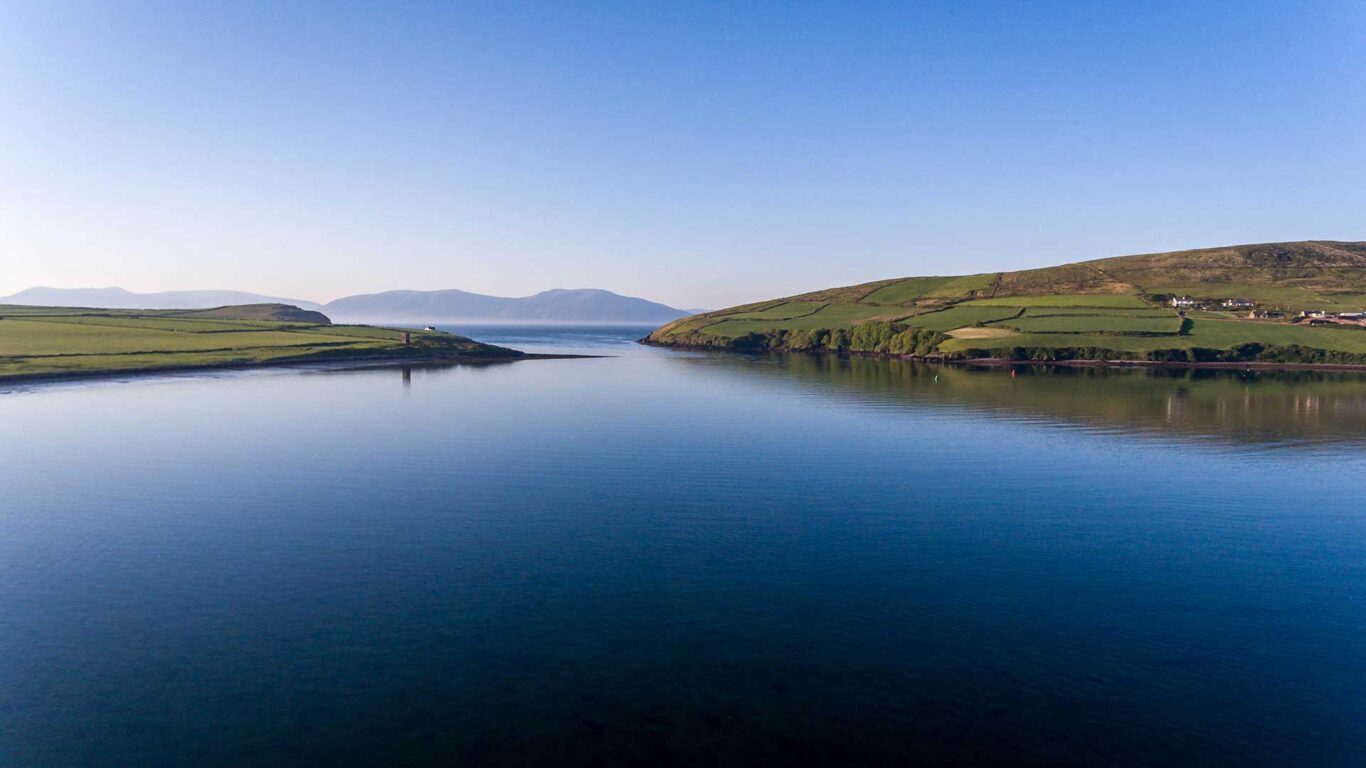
(1111, 309)
(60, 342)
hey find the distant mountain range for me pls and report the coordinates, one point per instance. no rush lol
(118, 298)
(587, 305)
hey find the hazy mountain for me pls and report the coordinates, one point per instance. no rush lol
(582, 305)
(118, 298)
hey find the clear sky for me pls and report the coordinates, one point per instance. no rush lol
(700, 154)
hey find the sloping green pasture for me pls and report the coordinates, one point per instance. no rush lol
(1112, 323)
(1102, 300)
(906, 290)
(913, 288)
(959, 316)
(831, 316)
(1345, 302)
(1221, 334)
(1102, 312)
(784, 311)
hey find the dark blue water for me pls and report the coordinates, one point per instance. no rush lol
(671, 557)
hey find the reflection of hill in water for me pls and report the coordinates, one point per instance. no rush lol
(1265, 407)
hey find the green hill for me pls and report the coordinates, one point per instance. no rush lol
(277, 312)
(65, 341)
(1116, 309)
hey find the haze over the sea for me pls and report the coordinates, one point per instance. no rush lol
(698, 155)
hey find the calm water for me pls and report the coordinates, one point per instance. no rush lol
(678, 557)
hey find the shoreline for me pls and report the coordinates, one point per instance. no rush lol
(1001, 362)
(338, 364)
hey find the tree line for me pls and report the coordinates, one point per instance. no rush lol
(874, 336)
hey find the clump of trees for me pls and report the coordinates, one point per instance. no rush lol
(1295, 353)
(893, 339)
(1255, 352)
(875, 336)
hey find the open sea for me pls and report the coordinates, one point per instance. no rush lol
(675, 557)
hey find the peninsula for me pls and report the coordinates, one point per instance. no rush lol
(62, 342)
(1278, 303)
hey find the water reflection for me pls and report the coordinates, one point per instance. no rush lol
(671, 557)
(1266, 407)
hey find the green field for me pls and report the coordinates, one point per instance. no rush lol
(961, 316)
(915, 288)
(183, 325)
(787, 310)
(1121, 323)
(1104, 312)
(1115, 305)
(1345, 302)
(829, 316)
(49, 341)
(1212, 334)
(1099, 300)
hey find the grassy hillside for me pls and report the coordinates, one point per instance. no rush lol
(1105, 309)
(58, 341)
(273, 312)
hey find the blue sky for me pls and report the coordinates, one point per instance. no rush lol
(701, 154)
